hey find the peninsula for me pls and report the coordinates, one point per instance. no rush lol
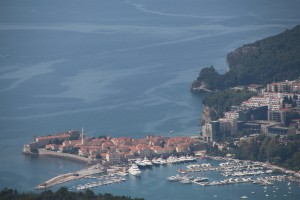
(111, 155)
(109, 150)
(254, 111)
(272, 59)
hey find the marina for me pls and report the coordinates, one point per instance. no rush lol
(206, 173)
(99, 181)
(238, 171)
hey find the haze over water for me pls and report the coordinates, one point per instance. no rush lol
(118, 68)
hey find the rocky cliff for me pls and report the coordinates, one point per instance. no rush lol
(275, 58)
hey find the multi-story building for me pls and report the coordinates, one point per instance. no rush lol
(211, 131)
(285, 86)
(113, 157)
(277, 115)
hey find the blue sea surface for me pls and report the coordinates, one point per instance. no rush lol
(118, 68)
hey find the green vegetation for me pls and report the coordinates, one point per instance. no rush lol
(276, 58)
(75, 136)
(72, 150)
(61, 194)
(209, 78)
(290, 116)
(284, 152)
(222, 101)
(98, 156)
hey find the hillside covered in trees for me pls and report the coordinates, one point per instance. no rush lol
(220, 102)
(61, 194)
(284, 152)
(275, 58)
(280, 151)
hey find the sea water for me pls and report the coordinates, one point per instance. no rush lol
(118, 68)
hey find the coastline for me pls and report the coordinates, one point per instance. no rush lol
(295, 174)
(199, 89)
(113, 170)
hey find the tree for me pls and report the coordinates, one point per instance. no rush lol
(275, 58)
(34, 150)
(98, 156)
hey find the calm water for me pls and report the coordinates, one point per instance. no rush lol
(153, 184)
(119, 67)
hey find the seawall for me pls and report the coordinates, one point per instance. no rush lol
(63, 155)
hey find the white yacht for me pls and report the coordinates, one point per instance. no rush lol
(155, 161)
(140, 163)
(134, 170)
(182, 159)
(175, 178)
(147, 162)
(161, 161)
(172, 159)
(190, 158)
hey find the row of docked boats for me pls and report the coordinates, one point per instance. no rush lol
(100, 181)
(205, 182)
(186, 179)
(135, 171)
(244, 173)
(160, 161)
(174, 159)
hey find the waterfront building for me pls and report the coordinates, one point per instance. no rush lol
(107, 145)
(158, 150)
(207, 132)
(42, 141)
(143, 150)
(252, 127)
(53, 147)
(252, 113)
(83, 152)
(182, 148)
(113, 157)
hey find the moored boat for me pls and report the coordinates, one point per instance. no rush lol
(134, 170)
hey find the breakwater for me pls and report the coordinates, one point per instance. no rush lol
(95, 169)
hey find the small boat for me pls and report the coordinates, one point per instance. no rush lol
(140, 163)
(200, 179)
(162, 161)
(155, 161)
(175, 178)
(185, 181)
(172, 159)
(181, 171)
(244, 197)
